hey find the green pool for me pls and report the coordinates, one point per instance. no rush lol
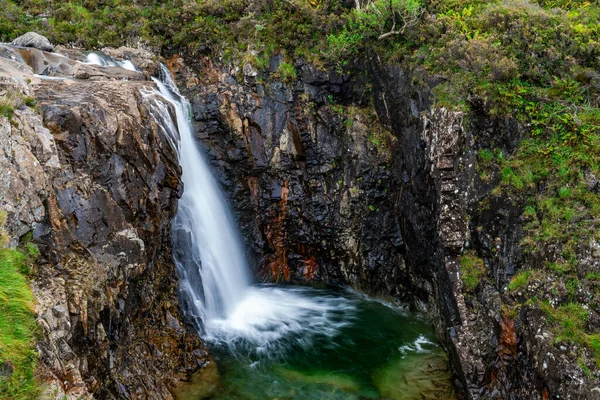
(287, 342)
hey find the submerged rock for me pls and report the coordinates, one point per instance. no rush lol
(421, 377)
(342, 382)
(202, 385)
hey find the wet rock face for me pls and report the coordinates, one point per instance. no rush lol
(319, 199)
(309, 172)
(95, 180)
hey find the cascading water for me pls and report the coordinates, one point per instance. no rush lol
(103, 60)
(207, 249)
(281, 342)
(214, 280)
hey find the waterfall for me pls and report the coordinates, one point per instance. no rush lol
(215, 291)
(210, 261)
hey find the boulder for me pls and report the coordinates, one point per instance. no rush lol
(32, 39)
(94, 72)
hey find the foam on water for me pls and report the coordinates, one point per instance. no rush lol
(103, 60)
(417, 346)
(269, 319)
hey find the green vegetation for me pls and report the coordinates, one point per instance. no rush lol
(287, 72)
(473, 270)
(533, 61)
(18, 327)
(11, 100)
(519, 281)
(568, 322)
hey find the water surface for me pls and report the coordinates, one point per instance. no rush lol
(285, 342)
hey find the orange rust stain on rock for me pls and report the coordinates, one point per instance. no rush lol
(275, 234)
(311, 267)
(545, 395)
(310, 264)
(256, 100)
(174, 63)
(508, 339)
(506, 351)
(209, 74)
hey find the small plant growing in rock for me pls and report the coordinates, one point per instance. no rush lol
(287, 72)
(519, 281)
(472, 270)
(30, 101)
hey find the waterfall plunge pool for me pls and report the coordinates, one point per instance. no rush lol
(288, 342)
(281, 342)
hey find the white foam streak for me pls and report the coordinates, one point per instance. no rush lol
(270, 319)
(95, 58)
(417, 346)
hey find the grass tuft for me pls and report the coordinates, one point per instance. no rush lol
(18, 327)
(473, 270)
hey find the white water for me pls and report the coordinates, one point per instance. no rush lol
(213, 273)
(210, 259)
(270, 319)
(101, 59)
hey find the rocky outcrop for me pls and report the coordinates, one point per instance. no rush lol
(91, 176)
(309, 171)
(451, 213)
(358, 180)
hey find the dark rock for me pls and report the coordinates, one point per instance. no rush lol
(6, 369)
(97, 181)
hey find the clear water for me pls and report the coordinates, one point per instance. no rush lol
(287, 342)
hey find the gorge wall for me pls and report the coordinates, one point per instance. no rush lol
(357, 180)
(92, 179)
(351, 179)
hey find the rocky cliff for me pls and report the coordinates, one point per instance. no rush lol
(310, 171)
(352, 179)
(91, 177)
(358, 180)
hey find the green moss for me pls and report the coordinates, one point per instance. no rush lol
(472, 270)
(18, 327)
(287, 72)
(593, 276)
(583, 365)
(569, 324)
(485, 156)
(519, 281)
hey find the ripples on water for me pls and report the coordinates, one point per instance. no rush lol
(284, 342)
